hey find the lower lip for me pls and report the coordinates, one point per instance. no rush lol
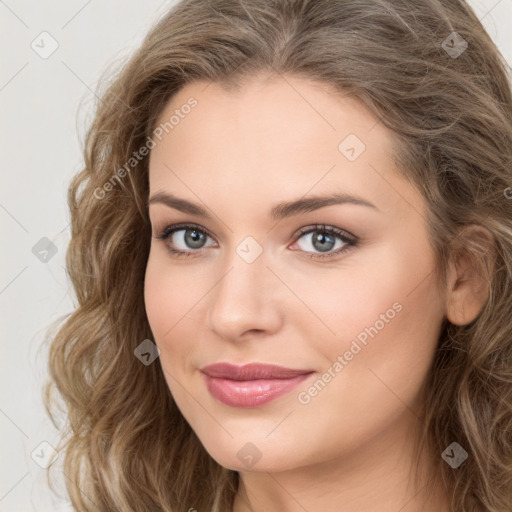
(250, 393)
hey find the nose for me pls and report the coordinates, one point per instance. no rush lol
(245, 301)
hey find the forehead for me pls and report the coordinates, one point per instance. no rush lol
(292, 107)
(277, 137)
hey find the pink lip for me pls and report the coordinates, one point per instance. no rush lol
(252, 384)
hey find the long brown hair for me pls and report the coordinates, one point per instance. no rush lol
(431, 74)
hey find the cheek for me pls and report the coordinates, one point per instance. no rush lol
(384, 314)
(168, 295)
(397, 316)
(372, 282)
(169, 291)
(387, 325)
(159, 297)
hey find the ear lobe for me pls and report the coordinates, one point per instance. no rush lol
(467, 285)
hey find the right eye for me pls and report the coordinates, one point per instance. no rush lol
(184, 239)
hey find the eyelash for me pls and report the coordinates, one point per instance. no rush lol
(350, 241)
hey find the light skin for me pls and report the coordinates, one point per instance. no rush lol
(237, 155)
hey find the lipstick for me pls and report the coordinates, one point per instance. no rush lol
(251, 385)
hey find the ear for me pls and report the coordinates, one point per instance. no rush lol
(467, 285)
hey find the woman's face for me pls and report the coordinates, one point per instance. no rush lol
(256, 281)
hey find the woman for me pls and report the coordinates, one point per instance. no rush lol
(292, 254)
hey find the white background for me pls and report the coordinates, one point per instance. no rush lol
(41, 131)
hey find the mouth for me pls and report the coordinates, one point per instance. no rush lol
(251, 385)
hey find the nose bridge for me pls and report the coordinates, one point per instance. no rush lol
(243, 297)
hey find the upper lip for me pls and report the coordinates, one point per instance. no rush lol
(252, 371)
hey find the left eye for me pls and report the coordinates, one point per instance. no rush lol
(324, 239)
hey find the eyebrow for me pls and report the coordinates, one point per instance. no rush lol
(278, 212)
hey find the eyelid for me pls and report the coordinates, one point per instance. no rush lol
(329, 229)
(171, 228)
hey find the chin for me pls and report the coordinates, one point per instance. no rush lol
(253, 456)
